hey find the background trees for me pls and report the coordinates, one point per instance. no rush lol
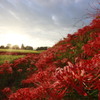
(9, 46)
(42, 48)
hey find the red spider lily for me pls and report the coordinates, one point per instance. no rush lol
(7, 91)
(93, 47)
(6, 68)
(19, 70)
(55, 73)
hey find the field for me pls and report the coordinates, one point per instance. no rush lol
(9, 58)
(10, 55)
(20, 51)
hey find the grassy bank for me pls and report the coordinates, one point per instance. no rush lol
(9, 58)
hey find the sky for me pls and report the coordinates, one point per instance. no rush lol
(41, 22)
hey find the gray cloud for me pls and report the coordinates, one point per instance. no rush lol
(47, 20)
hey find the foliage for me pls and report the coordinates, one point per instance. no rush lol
(42, 48)
(9, 46)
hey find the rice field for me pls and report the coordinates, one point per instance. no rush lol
(21, 51)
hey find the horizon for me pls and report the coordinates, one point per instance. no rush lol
(11, 46)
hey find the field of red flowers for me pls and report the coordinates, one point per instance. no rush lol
(70, 70)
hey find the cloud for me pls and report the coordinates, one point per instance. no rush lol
(77, 1)
(55, 20)
(47, 20)
(14, 14)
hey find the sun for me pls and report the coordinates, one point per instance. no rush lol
(14, 38)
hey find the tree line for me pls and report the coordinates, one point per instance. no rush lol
(9, 46)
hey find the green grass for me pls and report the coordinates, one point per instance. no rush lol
(9, 58)
(21, 51)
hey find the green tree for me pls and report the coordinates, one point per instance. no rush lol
(22, 46)
(9, 46)
(15, 47)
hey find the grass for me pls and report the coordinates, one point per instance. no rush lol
(21, 51)
(9, 58)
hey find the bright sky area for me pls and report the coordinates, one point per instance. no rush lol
(41, 22)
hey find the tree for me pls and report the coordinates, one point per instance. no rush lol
(2, 47)
(42, 48)
(22, 46)
(29, 48)
(15, 47)
(8, 46)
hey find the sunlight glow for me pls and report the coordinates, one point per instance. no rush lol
(19, 37)
(14, 38)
